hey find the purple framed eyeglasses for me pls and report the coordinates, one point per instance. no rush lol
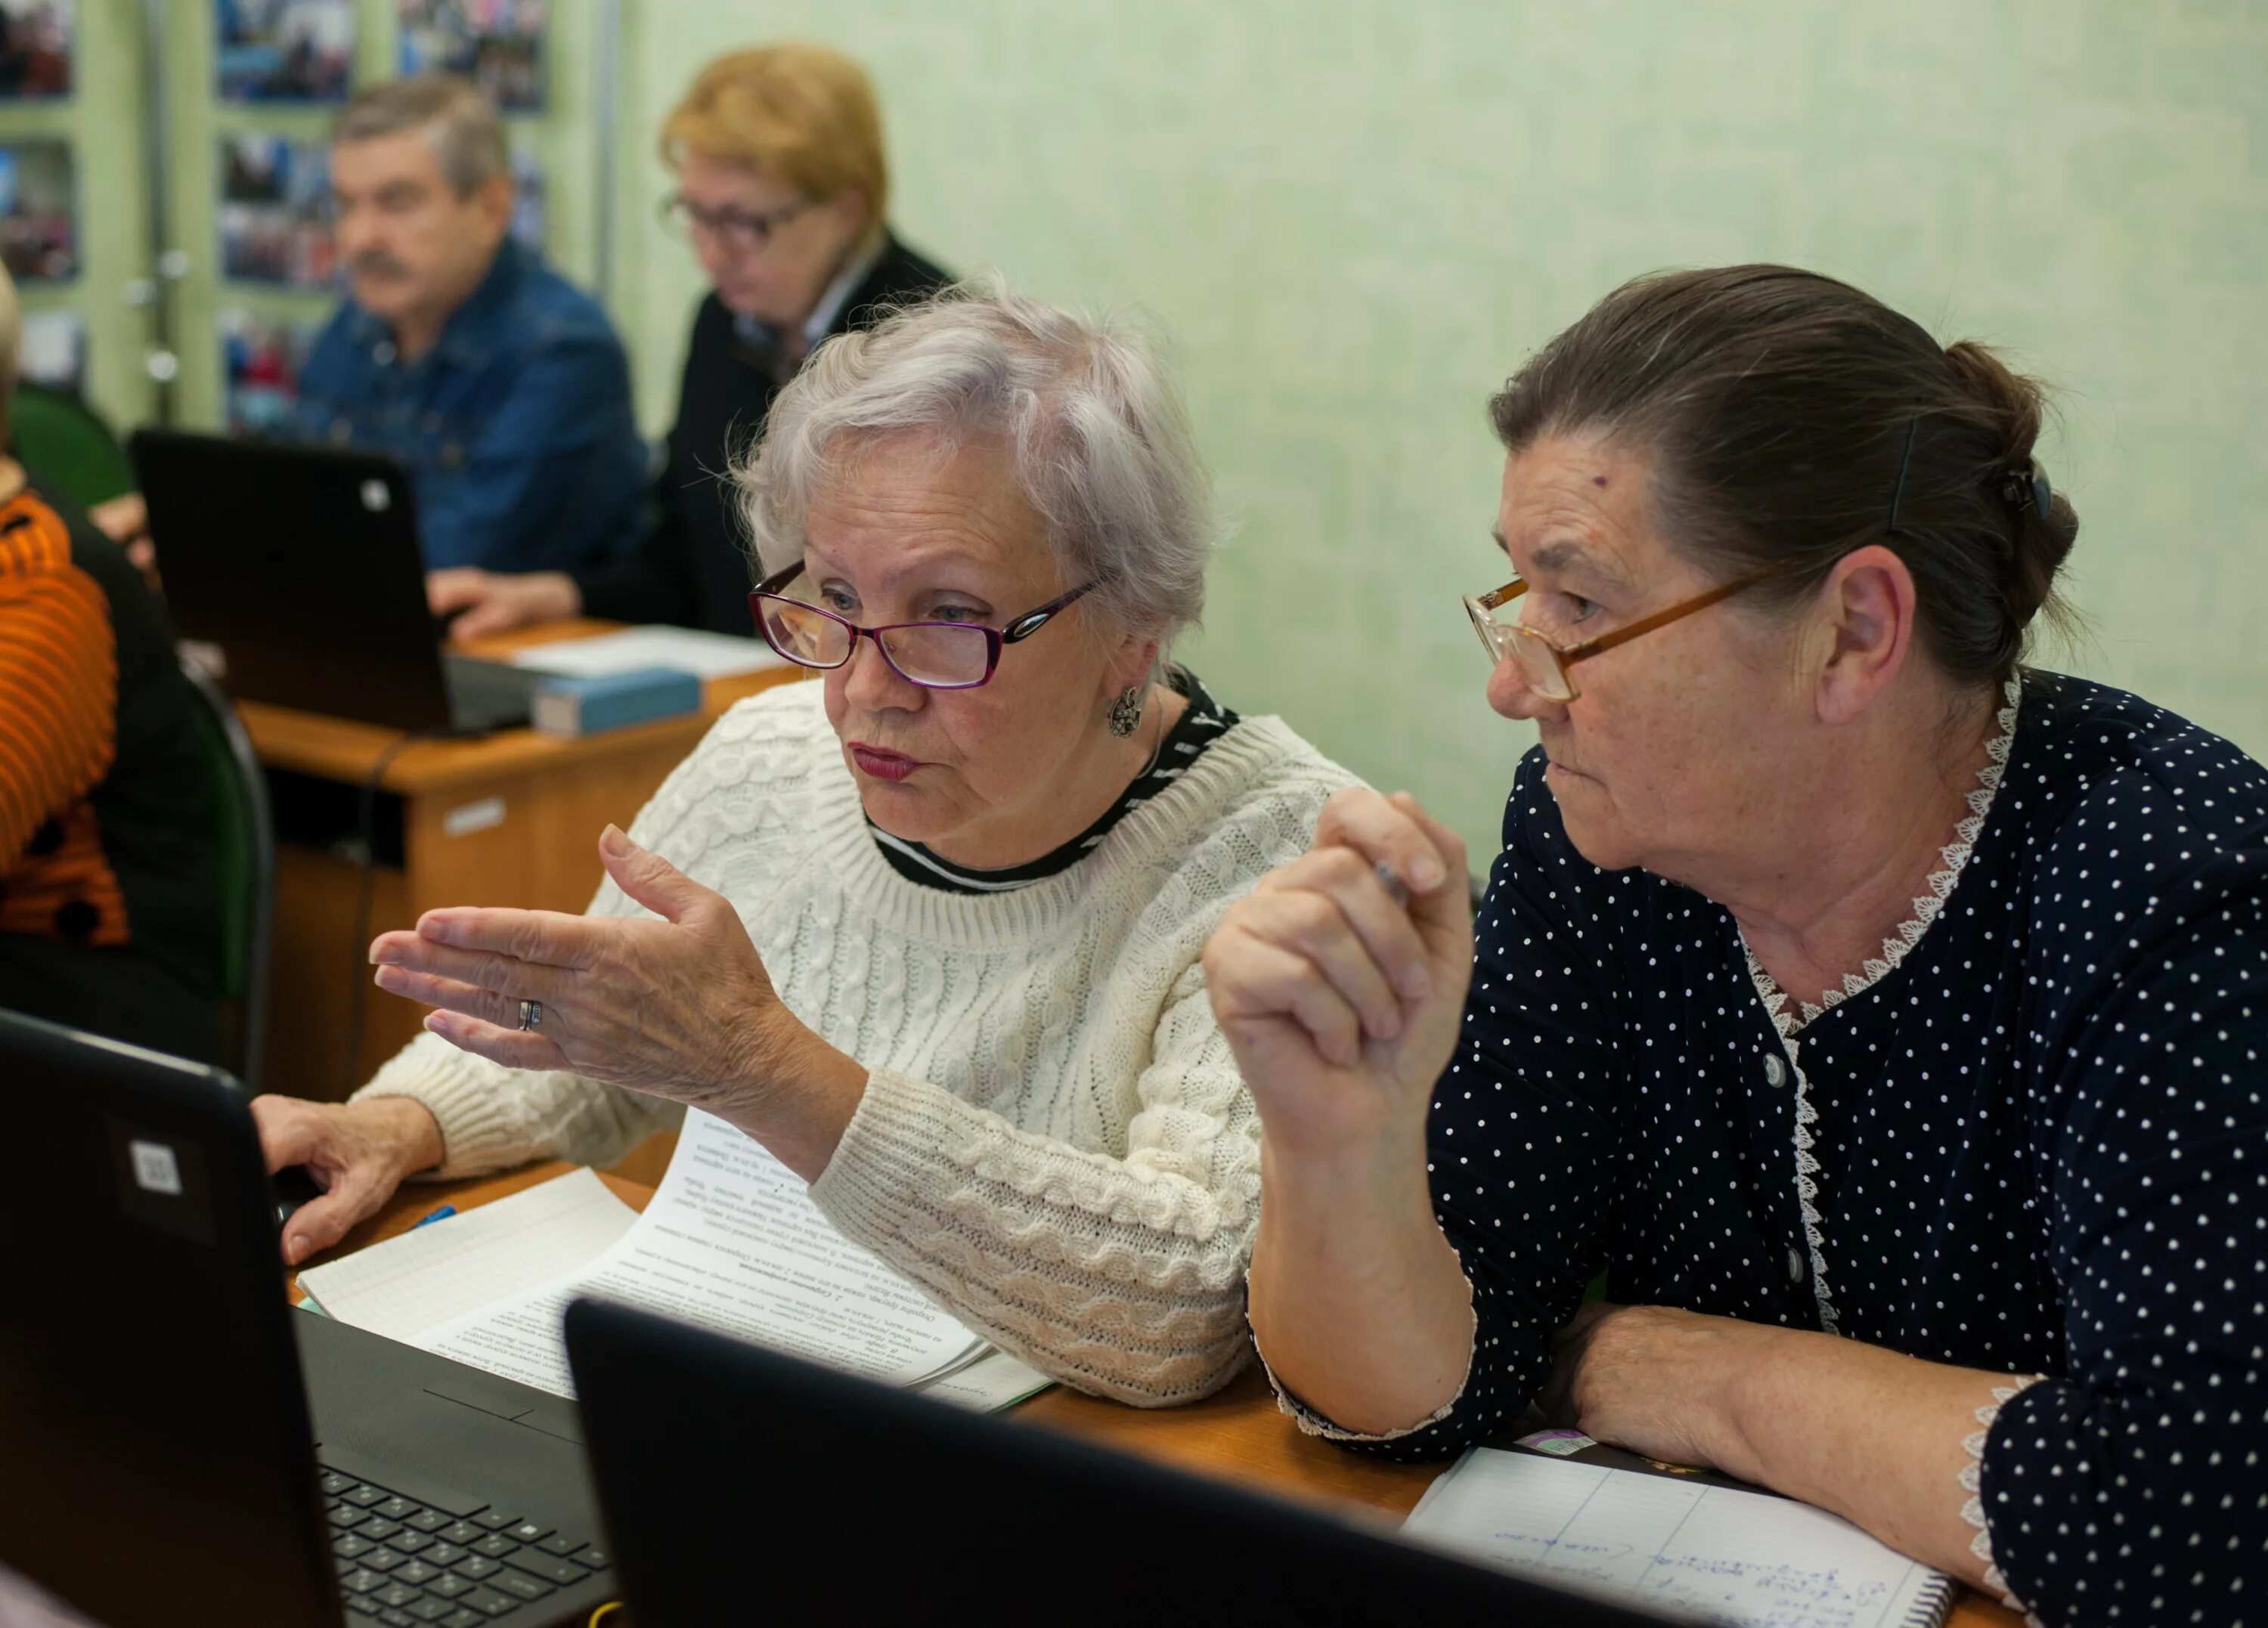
(937, 655)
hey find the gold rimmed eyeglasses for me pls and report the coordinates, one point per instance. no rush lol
(1543, 661)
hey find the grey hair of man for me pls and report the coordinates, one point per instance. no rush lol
(1097, 437)
(466, 133)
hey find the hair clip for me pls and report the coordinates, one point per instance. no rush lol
(2028, 485)
(1898, 492)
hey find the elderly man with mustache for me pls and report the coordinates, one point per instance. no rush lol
(498, 385)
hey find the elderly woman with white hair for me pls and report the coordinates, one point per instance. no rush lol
(929, 930)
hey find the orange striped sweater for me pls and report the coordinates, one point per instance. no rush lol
(58, 734)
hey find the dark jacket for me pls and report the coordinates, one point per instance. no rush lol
(692, 567)
(516, 428)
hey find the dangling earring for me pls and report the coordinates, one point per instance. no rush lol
(1126, 711)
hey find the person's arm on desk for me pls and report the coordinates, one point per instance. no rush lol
(486, 602)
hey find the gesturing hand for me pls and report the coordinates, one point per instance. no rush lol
(680, 1008)
(1339, 980)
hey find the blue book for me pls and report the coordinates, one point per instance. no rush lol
(565, 705)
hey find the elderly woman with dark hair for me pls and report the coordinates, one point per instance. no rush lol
(1883, 1017)
(928, 930)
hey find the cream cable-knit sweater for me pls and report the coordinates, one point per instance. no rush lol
(1054, 1142)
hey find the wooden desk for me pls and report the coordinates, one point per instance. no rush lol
(510, 819)
(1237, 1435)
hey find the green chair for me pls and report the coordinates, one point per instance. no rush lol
(244, 846)
(66, 441)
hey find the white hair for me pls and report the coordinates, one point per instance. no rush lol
(1098, 439)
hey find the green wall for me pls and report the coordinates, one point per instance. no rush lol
(1357, 218)
(99, 120)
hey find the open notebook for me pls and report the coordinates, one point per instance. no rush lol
(1712, 1553)
(731, 1241)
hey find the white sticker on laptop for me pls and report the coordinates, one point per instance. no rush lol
(375, 497)
(154, 1167)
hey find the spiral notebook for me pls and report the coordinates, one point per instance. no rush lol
(1679, 1545)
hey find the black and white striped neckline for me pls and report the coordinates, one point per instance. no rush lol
(1202, 722)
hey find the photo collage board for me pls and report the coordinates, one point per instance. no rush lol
(273, 209)
(39, 233)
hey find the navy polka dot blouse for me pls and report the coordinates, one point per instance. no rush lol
(2036, 1142)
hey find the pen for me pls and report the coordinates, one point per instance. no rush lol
(443, 1213)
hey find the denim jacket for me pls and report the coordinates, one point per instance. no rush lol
(516, 426)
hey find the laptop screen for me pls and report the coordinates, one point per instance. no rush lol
(159, 1466)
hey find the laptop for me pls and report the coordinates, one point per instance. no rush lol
(301, 566)
(740, 1486)
(182, 1447)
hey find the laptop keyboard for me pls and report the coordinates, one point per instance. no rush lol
(404, 1563)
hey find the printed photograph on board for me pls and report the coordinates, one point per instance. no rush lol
(274, 211)
(285, 50)
(35, 48)
(260, 358)
(39, 230)
(497, 44)
(53, 351)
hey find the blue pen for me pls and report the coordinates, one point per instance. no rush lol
(443, 1213)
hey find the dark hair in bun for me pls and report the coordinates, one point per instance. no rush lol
(1790, 414)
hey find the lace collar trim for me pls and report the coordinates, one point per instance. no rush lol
(1926, 910)
(1896, 949)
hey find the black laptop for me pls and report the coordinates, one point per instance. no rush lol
(300, 564)
(179, 1447)
(743, 1486)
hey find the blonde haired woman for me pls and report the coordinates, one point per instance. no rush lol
(783, 188)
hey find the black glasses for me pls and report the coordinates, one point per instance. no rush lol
(937, 655)
(743, 230)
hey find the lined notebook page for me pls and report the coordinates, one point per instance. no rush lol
(1709, 1553)
(437, 1273)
